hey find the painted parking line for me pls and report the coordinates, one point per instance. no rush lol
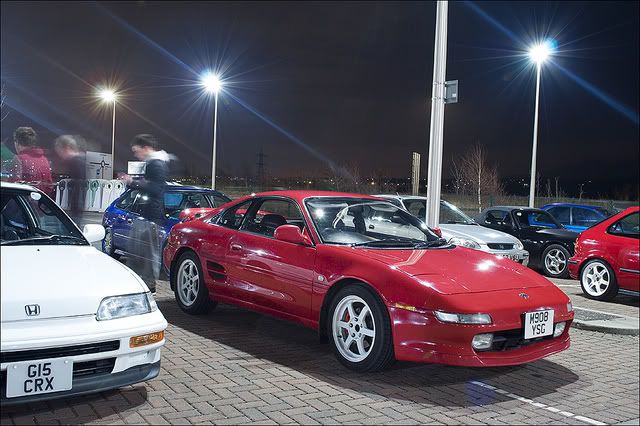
(538, 404)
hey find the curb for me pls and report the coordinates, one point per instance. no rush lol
(622, 326)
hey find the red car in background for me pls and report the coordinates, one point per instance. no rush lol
(607, 259)
(376, 293)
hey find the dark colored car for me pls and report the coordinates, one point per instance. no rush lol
(549, 244)
(577, 217)
(119, 216)
(607, 259)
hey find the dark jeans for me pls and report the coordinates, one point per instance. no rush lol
(144, 248)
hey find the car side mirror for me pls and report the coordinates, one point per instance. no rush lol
(291, 234)
(93, 232)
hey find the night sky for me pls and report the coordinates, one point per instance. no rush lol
(315, 83)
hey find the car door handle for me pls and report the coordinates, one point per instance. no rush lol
(129, 220)
(236, 247)
(372, 227)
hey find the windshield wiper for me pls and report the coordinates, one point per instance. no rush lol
(51, 238)
(426, 244)
(384, 243)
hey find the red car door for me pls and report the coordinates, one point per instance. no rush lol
(214, 248)
(625, 246)
(271, 274)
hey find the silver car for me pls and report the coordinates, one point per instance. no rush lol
(461, 230)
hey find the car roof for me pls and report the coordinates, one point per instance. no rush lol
(300, 195)
(510, 208)
(586, 206)
(20, 186)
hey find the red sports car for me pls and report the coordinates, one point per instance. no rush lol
(607, 259)
(376, 293)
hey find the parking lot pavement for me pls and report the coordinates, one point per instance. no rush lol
(233, 366)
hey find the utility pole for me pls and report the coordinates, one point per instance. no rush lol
(415, 174)
(434, 176)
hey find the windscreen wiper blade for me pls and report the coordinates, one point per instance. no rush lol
(49, 238)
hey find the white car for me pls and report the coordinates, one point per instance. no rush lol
(73, 320)
(460, 229)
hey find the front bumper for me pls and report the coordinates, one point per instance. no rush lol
(36, 339)
(93, 384)
(520, 256)
(420, 337)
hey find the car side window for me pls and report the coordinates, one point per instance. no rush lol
(272, 213)
(628, 226)
(497, 217)
(233, 217)
(561, 214)
(217, 201)
(126, 201)
(14, 222)
(584, 217)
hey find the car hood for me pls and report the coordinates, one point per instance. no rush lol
(63, 280)
(477, 233)
(458, 270)
(561, 234)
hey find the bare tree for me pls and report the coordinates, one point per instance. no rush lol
(548, 192)
(580, 191)
(3, 95)
(481, 178)
(458, 177)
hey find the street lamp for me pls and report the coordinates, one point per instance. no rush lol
(109, 96)
(538, 54)
(212, 84)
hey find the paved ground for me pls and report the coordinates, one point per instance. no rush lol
(233, 366)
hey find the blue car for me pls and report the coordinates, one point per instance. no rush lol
(577, 217)
(119, 216)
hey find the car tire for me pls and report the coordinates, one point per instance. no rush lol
(107, 244)
(598, 281)
(348, 335)
(189, 287)
(555, 261)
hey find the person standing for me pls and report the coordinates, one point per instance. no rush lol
(30, 164)
(144, 241)
(71, 150)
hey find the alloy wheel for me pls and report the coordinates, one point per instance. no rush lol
(188, 282)
(596, 279)
(555, 261)
(354, 328)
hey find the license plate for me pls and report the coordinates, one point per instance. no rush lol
(514, 257)
(538, 324)
(37, 377)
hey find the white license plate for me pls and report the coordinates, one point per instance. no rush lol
(513, 257)
(37, 377)
(538, 324)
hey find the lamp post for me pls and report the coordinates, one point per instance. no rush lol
(538, 55)
(212, 84)
(109, 96)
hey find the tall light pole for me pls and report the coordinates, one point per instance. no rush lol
(434, 177)
(538, 55)
(109, 96)
(212, 84)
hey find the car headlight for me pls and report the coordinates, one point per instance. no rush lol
(463, 318)
(463, 242)
(126, 306)
(569, 307)
(518, 246)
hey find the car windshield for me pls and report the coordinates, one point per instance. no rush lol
(536, 219)
(28, 217)
(449, 214)
(365, 222)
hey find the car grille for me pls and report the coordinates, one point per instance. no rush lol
(512, 339)
(500, 246)
(66, 351)
(80, 369)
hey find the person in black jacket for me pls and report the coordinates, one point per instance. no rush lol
(149, 204)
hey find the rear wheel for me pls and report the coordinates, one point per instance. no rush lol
(190, 290)
(598, 280)
(555, 259)
(360, 329)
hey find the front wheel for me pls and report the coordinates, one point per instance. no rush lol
(190, 290)
(107, 244)
(598, 280)
(360, 329)
(555, 259)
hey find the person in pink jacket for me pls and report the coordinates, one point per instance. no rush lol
(30, 165)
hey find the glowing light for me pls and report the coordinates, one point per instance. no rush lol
(540, 52)
(211, 83)
(485, 265)
(108, 95)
